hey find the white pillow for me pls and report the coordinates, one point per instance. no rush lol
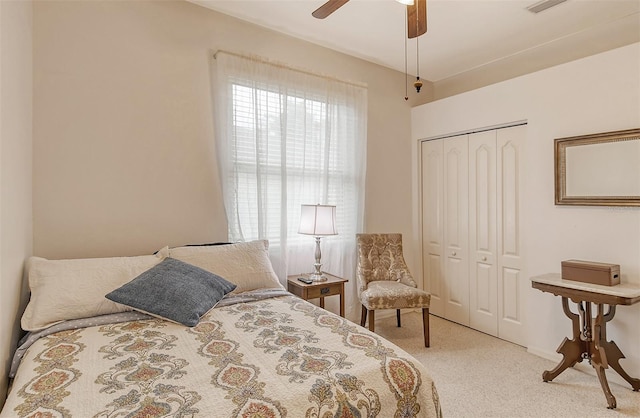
(245, 264)
(72, 289)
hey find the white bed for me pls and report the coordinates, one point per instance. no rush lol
(259, 352)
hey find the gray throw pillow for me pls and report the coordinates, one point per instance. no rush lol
(173, 290)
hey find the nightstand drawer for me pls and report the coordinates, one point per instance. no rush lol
(322, 291)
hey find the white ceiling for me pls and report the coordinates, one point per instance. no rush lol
(462, 35)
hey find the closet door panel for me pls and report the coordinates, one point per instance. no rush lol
(432, 223)
(509, 198)
(482, 232)
(511, 295)
(456, 235)
(457, 292)
(483, 299)
(511, 281)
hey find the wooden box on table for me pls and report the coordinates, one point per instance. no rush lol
(591, 272)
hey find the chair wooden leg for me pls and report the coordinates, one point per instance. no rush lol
(363, 316)
(425, 325)
(372, 320)
(398, 317)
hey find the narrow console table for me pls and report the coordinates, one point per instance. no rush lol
(589, 340)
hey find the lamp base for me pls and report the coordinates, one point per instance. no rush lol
(317, 277)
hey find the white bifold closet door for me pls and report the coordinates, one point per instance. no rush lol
(456, 229)
(496, 281)
(471, 222)
(512, 283)
(445, 198)
(483, 232)
(432, 223)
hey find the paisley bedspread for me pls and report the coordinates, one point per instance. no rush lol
(274, 357)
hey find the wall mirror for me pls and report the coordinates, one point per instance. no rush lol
(600, 169)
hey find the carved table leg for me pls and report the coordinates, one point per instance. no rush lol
(571, 350)
(613, 353)
(598, 354)
(613, 356)
(611, 400)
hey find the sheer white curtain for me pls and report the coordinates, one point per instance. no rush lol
(287, 137)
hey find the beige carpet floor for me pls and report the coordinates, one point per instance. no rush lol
(480, 376)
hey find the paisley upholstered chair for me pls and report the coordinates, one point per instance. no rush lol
(384, 281)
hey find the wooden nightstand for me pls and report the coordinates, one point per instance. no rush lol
(332, 286)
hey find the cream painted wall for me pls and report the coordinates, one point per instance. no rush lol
(15, 170)
(123, 136)
(595, 94)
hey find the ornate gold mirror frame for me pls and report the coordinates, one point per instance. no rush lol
(599, 169)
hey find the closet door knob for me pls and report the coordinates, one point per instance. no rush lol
(484, 258)
(453, 254)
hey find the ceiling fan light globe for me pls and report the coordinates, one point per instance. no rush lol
(406, 2)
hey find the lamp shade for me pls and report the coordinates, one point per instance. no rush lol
(318, 220)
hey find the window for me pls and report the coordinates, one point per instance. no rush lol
(286, 138)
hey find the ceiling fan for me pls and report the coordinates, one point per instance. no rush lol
(416, 14)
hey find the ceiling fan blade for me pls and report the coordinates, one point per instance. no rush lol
(328, 8)
(417, 18)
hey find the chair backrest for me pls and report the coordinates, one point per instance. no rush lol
(380, 258)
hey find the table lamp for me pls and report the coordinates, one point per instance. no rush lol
(318, 220)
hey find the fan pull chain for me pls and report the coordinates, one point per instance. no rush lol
(418, 56)
(405, 36)
(418, 83)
